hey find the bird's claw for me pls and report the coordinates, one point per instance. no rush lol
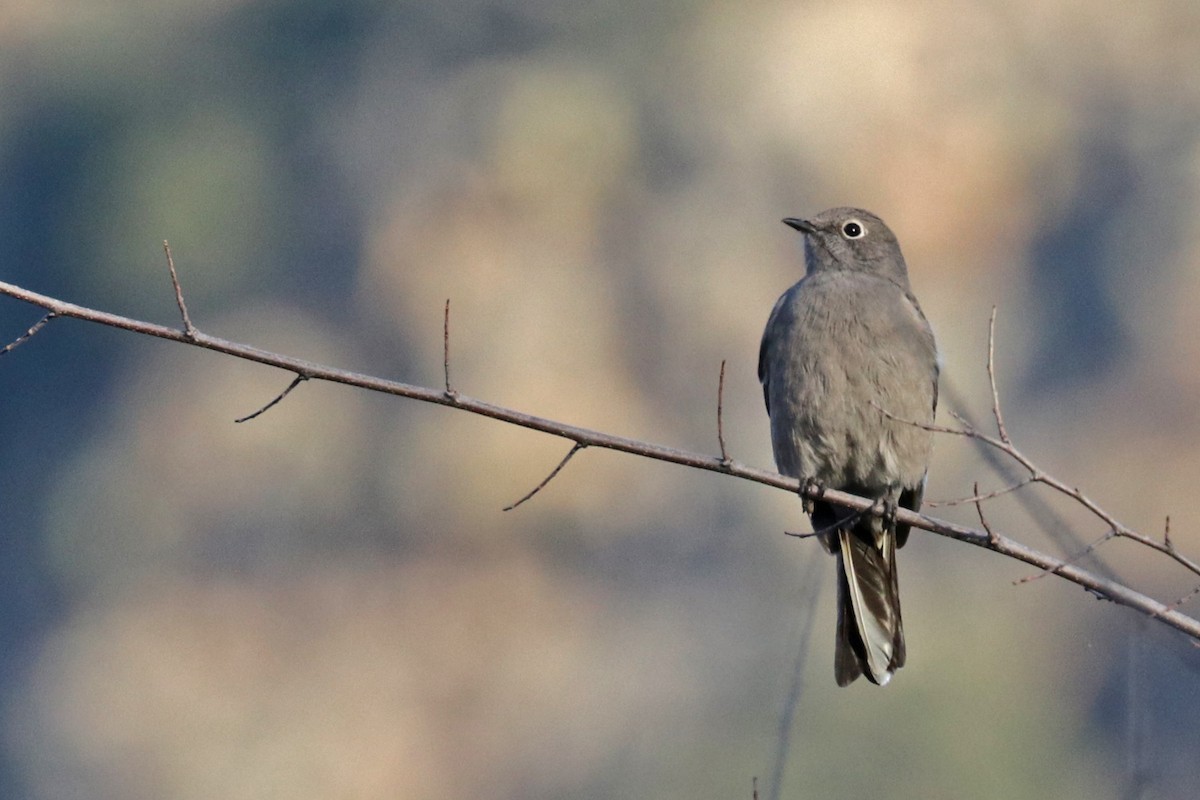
(814, 486)
(887, 513)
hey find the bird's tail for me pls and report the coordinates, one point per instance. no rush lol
(870, 635)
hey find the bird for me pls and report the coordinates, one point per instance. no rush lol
(849, 370)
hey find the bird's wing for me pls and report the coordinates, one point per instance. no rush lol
(764, 372)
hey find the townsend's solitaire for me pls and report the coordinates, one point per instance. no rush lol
(844, 345)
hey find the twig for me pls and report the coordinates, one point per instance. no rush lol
(812, 580)
(578, 446)
(188, 328)
(300, 378)
(874, 508)
(982, 519)
(450, 392)
(1108, 536)
(929, 426)
(1095, 584)
(991, 370)
(1185, 599)
(1167, 535)
(804, 535)
(978, 498)
(27, 335)
(1036, 475)
(721, 415)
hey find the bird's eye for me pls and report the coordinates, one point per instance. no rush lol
(853, 229)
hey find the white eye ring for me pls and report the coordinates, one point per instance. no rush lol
(853, 229)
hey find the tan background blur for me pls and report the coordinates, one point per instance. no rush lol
(328, 602)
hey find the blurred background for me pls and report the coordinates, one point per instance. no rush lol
(329, 602)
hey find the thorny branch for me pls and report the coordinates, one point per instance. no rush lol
(1036, 475)
(585, 437)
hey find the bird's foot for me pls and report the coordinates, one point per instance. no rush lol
(808, 487)
(887, 513)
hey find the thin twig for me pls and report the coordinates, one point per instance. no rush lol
(1036, 475)
(932, 427)
(300, 378)
(578, 446)
(721, 414)
(978, 498)
(1185, 599)
(1098, 585)
(188, 328)
(450, 392)
(982, 519)
(991, 370)
(804, 535)
(1108, 536)
(27, 335)
(1167, 535)
(811, 580)
(1120, 529)
(875, 508)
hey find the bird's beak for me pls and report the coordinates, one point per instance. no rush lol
(802, 225)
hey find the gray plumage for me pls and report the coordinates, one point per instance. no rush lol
(845, 342)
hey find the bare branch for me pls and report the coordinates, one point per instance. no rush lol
(1037, 475)
(721, 414)
(27, 335)
(1093, 583)
(1121, 530)
(300, 378)
(578, 446)
(188, 328)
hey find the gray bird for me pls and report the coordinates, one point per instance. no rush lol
(844, 345)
